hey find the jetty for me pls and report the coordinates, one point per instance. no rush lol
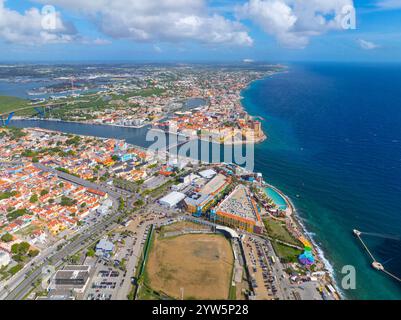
(375, 264)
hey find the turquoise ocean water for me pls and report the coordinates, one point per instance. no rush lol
(334, 148)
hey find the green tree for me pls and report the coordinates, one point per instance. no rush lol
(75, 258)
(15, 248)
(67, 202)
(90, 253)
(33, 253)
(7, 237)
(34, 198)
(139, 203)
(19, 258)
(24, 247)
(20, 248)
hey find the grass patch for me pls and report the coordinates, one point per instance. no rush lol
(16, 214)
(232, 295)
(144, 93)
(13, 270)
(8, 104)
(285, 253)
(277, 230)
(146, 293)
(158, 191)
(179, 226)
(27, 230)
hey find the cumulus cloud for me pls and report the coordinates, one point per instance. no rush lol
(101, 42)
(389, 4)
(159, 20)
(294, 22)
(367, 45)
(29, 28)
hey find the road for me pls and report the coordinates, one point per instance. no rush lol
(133, 261)
(23, 282)
(20, 286)
(85, 183)
(56, 260)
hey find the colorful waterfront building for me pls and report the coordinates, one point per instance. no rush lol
(239, 210)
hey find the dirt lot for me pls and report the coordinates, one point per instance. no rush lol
(183, 225)
(201, 264)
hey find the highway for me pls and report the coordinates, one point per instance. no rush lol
(23, 282)
(85, 183)
(21, 285)
(56, 260)
(133, 261)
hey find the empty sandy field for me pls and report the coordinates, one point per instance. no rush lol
(199, 263)
(181, 225)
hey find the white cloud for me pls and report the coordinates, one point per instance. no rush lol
(389, 4)
(101, 42)
(367, 45)
(27, 28)
(157, 49)
(294, 22)
(159, 20)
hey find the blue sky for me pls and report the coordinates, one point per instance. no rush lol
(199, 30)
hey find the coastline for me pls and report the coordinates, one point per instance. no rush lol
(297, 218)
(83, 122)
(190, 138)
(342, 184)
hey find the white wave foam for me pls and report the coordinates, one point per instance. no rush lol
(328, 266)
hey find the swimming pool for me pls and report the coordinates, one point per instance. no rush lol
(277, 198)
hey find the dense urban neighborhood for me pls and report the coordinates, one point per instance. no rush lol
(89, 217)
(84, 217)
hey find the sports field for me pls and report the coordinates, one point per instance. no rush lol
(201, 264)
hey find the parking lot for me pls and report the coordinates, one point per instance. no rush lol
(155, 182)
(104, 283)
(263, 279)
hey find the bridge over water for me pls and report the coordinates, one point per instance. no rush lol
(40, 111)
(376, 264)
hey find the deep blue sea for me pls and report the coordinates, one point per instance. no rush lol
(335, 148)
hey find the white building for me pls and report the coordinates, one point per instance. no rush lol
(180, 164)
(4, 259)
(106, 207)
(104, 248)
(172, 199)
(208, 174)
(189, 178)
